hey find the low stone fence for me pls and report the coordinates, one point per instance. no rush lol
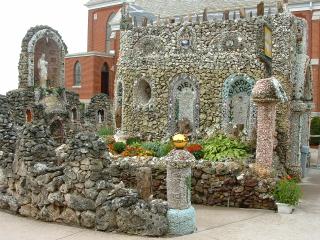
(79, 183)
(230, 184)
(69, 185)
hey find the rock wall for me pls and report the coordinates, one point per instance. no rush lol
(100, 104)
(218, 62)
(68, 184)
(8, 138)
(229, 184)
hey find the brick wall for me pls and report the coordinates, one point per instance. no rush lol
(97, 28)
(91, 67)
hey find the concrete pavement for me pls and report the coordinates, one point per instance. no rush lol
(213, 223)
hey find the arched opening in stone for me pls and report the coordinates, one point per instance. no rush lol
(29, 116)
(57, 132)
(118, 115)
(101, 116)
(74, 115)
(184, 105)
(238, 109)
(105, 79)
(47, 63)
(143, 92)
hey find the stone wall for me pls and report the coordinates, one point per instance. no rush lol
(229, 184)
(68, 184)
(20, 101)
(205, 71)
(100, 111)
(8, 138)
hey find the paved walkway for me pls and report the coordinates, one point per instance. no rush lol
(214, 223)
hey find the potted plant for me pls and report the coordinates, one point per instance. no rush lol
(287, 194)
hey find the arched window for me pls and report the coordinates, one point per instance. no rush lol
(74, 114)
(105, 79)
(28, 116)
(77, 74)
(109, 32)
(57, 132)
(100, 116)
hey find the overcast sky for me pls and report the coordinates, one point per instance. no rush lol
(68, 17)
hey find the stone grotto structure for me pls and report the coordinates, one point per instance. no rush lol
(197, 77)
(52, 165)
(200, 74)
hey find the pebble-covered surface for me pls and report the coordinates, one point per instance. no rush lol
(207, 54)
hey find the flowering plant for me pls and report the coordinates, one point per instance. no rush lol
(196, 150)
(287, 191)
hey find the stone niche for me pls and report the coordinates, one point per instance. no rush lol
(45, 44)
(184, 105)
(238, 108)
(50, 49)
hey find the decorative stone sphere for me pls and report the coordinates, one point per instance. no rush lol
(179, 141)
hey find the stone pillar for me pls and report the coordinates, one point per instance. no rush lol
(144, 183)
(266, 94)
(304, 159)
(266, 122)
(181, 215)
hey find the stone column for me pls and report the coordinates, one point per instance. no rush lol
(144, 183)
(181, 215)
(266, 121)
(266, 94)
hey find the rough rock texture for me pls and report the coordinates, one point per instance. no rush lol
(215, 184)
(98, 104)
(68, 184)
(199, 70)
(29, 51)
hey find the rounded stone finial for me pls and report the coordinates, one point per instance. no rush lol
(268, 90)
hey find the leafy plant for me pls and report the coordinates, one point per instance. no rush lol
(104, 131)
(221, 147)
(159, 149)
(119, 147)
(315, 130)
(131, 151)
(134, 140)
(287, 191)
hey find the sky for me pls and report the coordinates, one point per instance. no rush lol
(68, 17)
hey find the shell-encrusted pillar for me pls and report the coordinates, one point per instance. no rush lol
(181, 215)
(266, 95)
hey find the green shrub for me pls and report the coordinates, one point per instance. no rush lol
(104, 131)
(134, 140)
(315, 130)
(221, 147)
(159, 149)
(288, 192)
(119, 147)
(198, 154)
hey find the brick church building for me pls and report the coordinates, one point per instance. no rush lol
(93, 72)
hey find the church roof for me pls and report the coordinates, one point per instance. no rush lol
(183, 7)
